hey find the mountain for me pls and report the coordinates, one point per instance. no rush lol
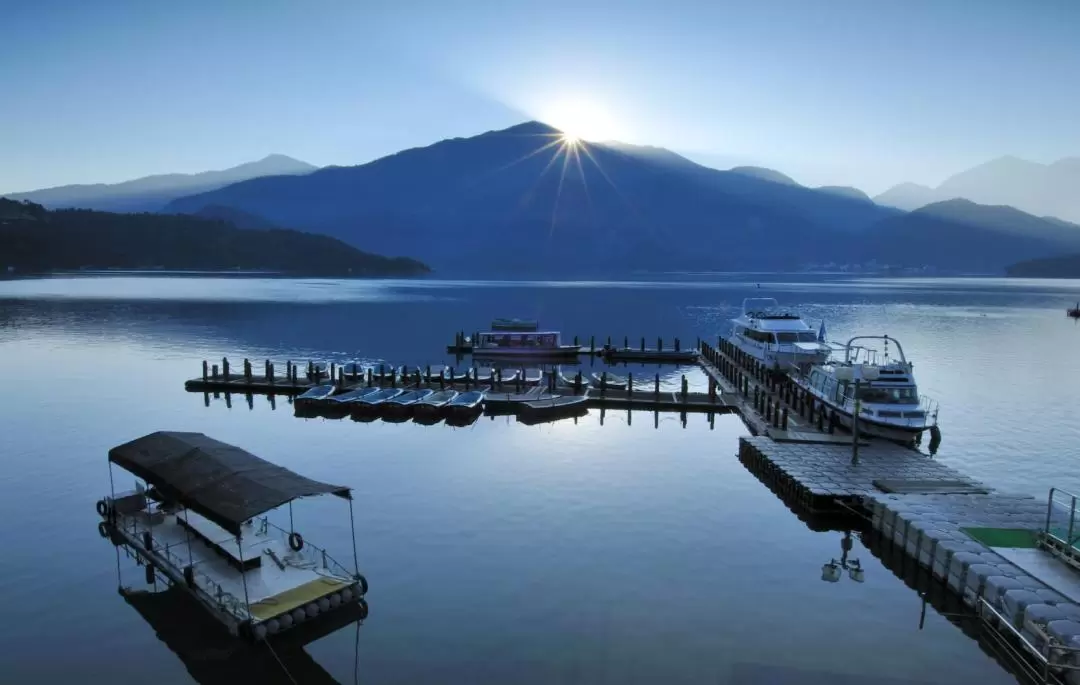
(236, 217)
(151, 193)
(521, 200)
(965, 236)
(35, 239)
(764, 174)
(846, 191)
(1038, 189)
(1067, 266)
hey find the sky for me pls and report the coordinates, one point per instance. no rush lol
(864, 93)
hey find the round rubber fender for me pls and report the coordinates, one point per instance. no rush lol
(362, 584)
(103, 529)
(296, 542)
(102, 507)
(363, 608)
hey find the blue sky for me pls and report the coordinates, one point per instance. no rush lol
(866, 93)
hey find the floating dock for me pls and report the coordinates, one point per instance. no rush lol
(1010, 560)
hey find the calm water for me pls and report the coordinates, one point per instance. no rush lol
(569, 552)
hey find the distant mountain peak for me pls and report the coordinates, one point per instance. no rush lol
(764, 174)
(529, 128)
(846, 191)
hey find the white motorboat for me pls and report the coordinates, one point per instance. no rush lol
(197, 518)
(876, 384)
(778, 337)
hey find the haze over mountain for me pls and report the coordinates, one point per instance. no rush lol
(522, 200)
(1039, 189)
(151, 193)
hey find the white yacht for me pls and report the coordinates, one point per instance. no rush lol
(878, 384)
(777, 337)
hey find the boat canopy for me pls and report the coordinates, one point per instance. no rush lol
(222, 482)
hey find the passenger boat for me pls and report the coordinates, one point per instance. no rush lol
(435, 401)
(558, 407)
(519, 325)
(466, 402)
(532, 376)
(368, 405)
(542, 344)
(606, 379)
(339, 405)
(317, 395)
(401, 406)
(778, 337)
(877, 386)
(571, 381)
(480, 374)
(496, 403)
(197, 518)
(507, 375)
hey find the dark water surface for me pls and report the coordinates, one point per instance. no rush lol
(566, 552)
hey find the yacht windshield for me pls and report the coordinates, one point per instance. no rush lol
(899, 395)
(796, 336)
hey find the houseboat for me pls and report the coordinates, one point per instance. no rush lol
(197, 518)
(876, 384)
(515, 325)
(778, 337)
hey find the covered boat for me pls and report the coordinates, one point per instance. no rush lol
(317, 395)
(553, 408)
(536, 344)
(521, 325)
(198, 520)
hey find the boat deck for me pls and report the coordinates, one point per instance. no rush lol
(271, 589)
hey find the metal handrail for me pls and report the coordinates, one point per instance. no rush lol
(222, 598)
(1048, 531)
(1053, 654)
(314, 553)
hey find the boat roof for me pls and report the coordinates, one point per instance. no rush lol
(509, 332)
(217, 480)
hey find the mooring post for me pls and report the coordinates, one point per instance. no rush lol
(520, 379)
(418, 377)
(603, 383)
(657, 392)
(677, 344)
(785, 418)
(266, 371)
(630, 385)
(442, 379)
(225, 368)
(247, 369)
(832, 422)
(685, 388)
(205, 369)
(642, 343)
(215, 372)
(575, 340)
(577, 383)
(659, 344)
(271, 373)
(592, 345)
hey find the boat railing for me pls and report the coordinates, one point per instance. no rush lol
(927, 412)
(205, 587)
(313, 555)
(1061, 534)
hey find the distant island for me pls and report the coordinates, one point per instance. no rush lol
(1067, 266)
(34, 239)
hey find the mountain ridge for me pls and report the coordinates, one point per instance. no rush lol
(151, 193)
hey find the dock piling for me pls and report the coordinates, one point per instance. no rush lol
(204, 369)
(215, 372)
(630, 385)
(592, 345)
(685, 388)
(225, 368)
(657, 390)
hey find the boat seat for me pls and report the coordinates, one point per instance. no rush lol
(218, 540)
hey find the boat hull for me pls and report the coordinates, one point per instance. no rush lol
(562, 352)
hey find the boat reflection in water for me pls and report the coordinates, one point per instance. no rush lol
(214, 657)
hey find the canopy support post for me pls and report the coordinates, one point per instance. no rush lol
(243, 576)
(352, 527)
(112, 486)
(291, 529)
(187, 535)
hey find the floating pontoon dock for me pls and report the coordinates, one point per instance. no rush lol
(1012, 560)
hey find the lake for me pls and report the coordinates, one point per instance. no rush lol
(610, 549)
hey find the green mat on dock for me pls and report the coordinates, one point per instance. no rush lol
(1022, 538)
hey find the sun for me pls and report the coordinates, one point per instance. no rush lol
(580, 120)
